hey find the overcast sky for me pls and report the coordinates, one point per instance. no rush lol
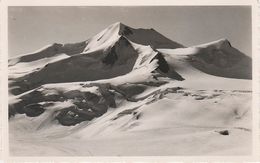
(31, 28)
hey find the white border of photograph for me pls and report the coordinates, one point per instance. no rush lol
(4, 77)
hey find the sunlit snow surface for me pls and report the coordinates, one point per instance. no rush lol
(186, 123)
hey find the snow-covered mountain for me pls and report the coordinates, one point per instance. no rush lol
(103, 40)
(127, 87)
(110, 53)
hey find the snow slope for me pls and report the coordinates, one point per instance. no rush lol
(168, 122)
(180, 60)
(24, 68)
(118, 59)
(132, 92)
(48, 52)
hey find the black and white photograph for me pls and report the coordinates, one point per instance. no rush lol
(130, 81)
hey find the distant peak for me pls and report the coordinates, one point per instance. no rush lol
(118, 24)
(120, 28)
(224, 42)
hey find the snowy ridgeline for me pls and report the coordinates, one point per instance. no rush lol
(127, 92)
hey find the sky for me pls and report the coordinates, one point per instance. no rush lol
(31, 28)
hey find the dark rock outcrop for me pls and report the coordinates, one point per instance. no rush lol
(33, 110)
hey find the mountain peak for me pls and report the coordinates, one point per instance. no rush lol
(122, 29)
(224, 42)
(118, 24)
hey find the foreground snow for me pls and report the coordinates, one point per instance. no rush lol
(183, 123)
